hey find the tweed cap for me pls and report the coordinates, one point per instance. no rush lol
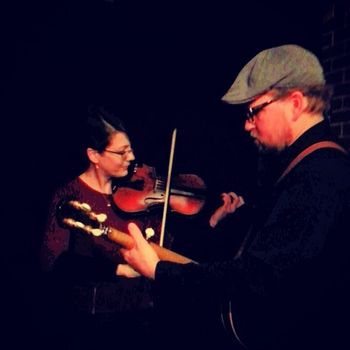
(282, 66)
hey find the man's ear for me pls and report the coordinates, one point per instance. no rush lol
(298, 103)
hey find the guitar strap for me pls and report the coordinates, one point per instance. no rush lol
(307, 151)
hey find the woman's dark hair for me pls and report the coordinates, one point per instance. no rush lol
(99, 126)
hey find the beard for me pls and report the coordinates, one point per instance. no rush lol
(262, 148)
(266, 149)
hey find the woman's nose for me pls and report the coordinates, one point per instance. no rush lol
(131, 156)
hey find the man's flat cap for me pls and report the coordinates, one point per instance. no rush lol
(284, 66)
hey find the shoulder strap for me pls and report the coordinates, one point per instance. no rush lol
(308, 150)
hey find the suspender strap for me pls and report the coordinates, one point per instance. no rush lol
(307, 151)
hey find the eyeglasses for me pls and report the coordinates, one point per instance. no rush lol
(122, 154)
(253, 111)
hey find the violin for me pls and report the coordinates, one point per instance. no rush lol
(146, 190)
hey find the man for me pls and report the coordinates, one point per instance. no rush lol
(287, 285)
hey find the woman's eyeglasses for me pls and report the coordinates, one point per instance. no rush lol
(122, 154)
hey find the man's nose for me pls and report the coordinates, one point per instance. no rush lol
(248, 125)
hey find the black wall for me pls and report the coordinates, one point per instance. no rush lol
(158, 65)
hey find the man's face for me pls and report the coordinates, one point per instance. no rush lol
(267, 123)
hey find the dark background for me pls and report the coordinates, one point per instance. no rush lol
(159, 65)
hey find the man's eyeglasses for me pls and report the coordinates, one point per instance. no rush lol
(253, 111)
(122, 154)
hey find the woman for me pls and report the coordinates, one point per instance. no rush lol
(83, 267)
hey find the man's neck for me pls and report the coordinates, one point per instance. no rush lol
(305, 122)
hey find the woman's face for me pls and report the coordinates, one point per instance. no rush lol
(114, 161)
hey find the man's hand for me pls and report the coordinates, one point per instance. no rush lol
(142, 257)
(231, 201)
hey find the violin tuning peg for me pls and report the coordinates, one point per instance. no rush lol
(149, 233)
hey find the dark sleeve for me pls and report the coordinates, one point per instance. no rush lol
(215, 280)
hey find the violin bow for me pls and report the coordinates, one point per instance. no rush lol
(167, 188)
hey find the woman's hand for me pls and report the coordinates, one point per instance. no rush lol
(126, 271)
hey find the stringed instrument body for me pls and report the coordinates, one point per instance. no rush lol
(145, 190)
